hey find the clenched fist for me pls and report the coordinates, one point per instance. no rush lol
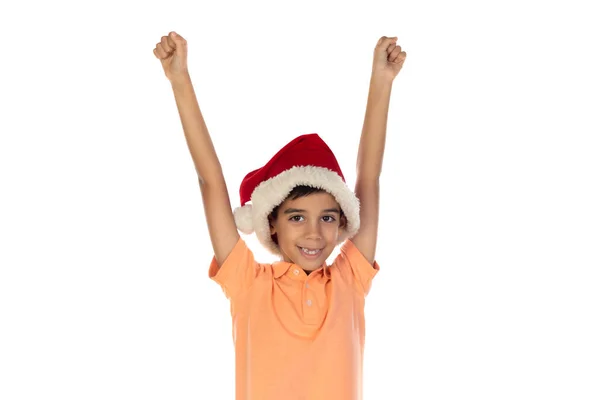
(172, 53)
(388, 58)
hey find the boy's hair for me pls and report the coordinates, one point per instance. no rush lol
(301, 191)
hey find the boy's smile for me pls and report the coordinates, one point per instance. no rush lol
(307, 229)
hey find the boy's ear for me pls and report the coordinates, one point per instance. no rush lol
(343, 222)
(273, 232)
(271, 227)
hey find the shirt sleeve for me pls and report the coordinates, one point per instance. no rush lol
(362, 271)
(237, 272)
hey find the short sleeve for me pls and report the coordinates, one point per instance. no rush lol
(237, 272)
(361, 269)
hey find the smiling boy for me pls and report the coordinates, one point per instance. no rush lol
(298, 324)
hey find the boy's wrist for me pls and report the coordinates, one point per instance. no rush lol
(381, 82)
(180, 79)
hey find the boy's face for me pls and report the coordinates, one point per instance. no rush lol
(307, 229)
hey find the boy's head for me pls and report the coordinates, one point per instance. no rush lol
(306, 226)
(303, 175)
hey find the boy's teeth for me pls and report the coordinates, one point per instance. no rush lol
(307, 251)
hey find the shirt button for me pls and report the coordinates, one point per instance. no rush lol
(296, 272)
(306, 284)
(309, 302)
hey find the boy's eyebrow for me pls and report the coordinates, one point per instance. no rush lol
(297, 210)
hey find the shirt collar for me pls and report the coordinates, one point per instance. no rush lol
(280, 268)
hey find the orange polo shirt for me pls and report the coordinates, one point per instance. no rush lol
(297, 336)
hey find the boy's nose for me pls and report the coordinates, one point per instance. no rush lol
(313, 231)
(314, 236)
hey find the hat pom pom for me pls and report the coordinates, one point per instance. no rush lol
(243, 219)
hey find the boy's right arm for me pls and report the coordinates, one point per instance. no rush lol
(217, 207)
(172, 51)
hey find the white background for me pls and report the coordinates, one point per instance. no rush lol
(489, 236)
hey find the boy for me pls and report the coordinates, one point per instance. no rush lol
(298, 324)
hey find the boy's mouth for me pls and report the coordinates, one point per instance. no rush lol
(310, 253)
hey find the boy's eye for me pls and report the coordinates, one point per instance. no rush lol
(299, 218)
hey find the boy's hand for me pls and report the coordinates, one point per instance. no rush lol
(388, 58)
(172, 53)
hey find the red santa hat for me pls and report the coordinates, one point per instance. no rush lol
(306, 160)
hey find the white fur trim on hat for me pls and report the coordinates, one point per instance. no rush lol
(243, 218)
(272, 192)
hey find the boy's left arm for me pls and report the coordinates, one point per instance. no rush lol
(387, 62)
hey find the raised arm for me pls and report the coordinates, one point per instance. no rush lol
(387, 62)
(172, 51)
